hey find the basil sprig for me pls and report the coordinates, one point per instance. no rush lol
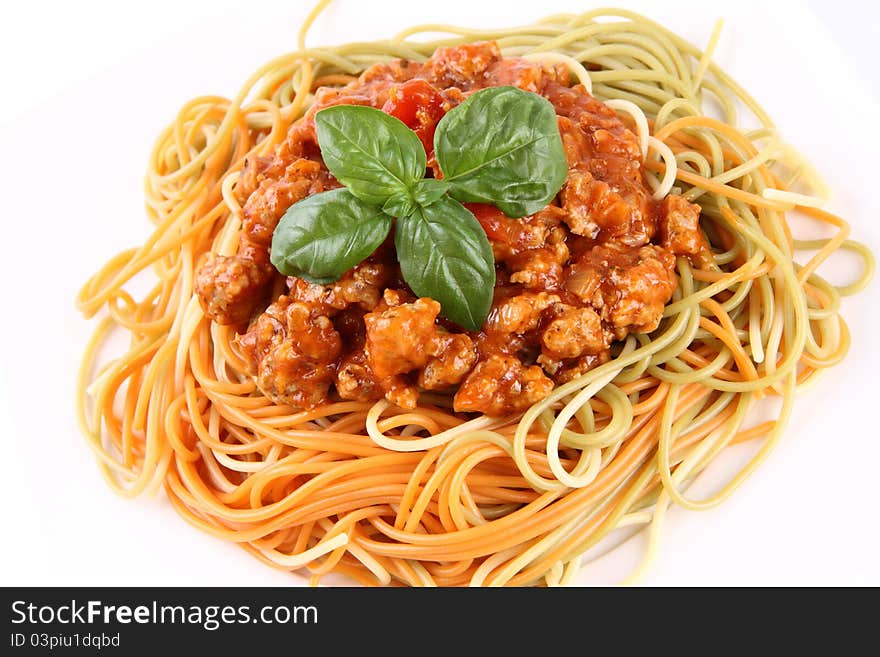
(336, 222)
(444, 254)
(500, 146)
(373, 154)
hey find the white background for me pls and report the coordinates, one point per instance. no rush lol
(86, 87)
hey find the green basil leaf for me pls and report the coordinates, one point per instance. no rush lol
(326, 234)
(445, 254)
(373, 154)
(399, 204)
(502, 146)
(429, 190)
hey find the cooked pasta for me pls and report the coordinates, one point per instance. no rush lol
(429, 496)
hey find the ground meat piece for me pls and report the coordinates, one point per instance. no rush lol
(361, 285)
(353, 94)
(397, 337)
(520, 313)
(528, 75)
(299, 289)
(679, 228)
(501, 385)
(564, 370)
(627, 287)
(300, 142)
(461, 66)
(396, 70)
(295, 350)
(402, 338)
(355, 380)
(274, 196)
(604, 196)
(574, 332)
(540, 269)
(371, 89)
(256, 169)
(606, 137)
(575, 141)
(453, 356)
(230, 288)
(397, 342)
(510, 237)
(595, 207)
(584, 201)
(611, 142)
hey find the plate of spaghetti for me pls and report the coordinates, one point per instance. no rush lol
(464, 306)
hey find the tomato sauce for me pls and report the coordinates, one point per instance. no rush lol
(593, 266)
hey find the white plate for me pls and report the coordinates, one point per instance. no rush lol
(71, 177)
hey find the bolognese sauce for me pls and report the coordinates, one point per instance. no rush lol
(594, 265)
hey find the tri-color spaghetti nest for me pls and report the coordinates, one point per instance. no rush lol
(429, 496)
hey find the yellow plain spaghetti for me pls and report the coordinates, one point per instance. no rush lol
(429, 497)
